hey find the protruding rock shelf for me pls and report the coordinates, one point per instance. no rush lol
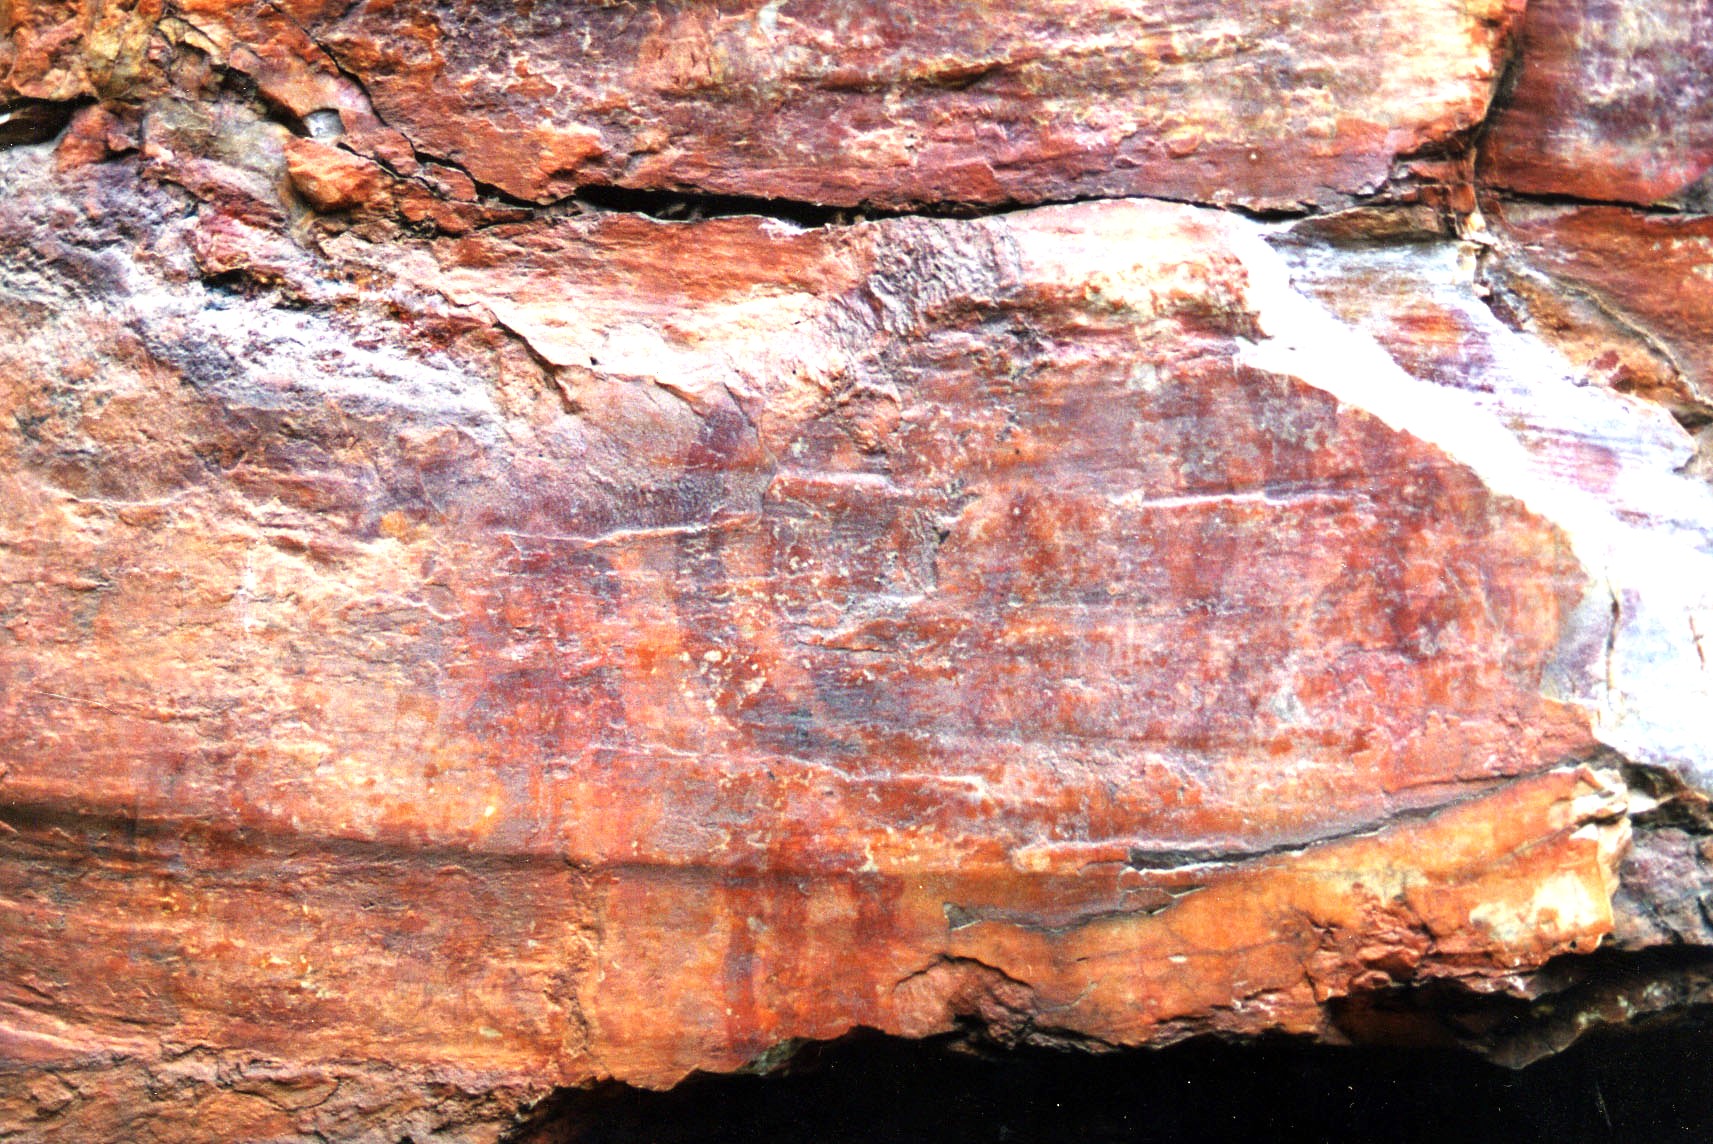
(549, 544)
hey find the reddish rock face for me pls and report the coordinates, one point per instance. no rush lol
(844, 103)
(959, 634)
(452, 647)
(1613, 102)
(1269, 105)
(329, 178)
(1651, 275)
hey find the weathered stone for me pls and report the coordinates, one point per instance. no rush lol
(972, 627)
(1613, 102)
(329, 178)
(1627, 295)
(1270, 105)
(452, 648)
(1606, 468)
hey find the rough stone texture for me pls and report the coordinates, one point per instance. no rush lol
(1626, 295)
(1270, 105)
(458, 641)
(1613, 102)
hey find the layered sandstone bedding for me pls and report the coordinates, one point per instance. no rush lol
(544, 543)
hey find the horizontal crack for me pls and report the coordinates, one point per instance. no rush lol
(960, 917)
(1657, 209)
(691, 206)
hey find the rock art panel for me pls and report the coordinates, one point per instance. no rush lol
(463, 635)
(927, 631)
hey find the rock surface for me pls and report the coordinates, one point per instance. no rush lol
(1269, 105)
(471, 624)
(1613, 102)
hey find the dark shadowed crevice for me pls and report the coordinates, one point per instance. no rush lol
(1651, 1084)
(28, 121)
(690, 205)
(1664, 208)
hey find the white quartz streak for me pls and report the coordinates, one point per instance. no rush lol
(1646, 540)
